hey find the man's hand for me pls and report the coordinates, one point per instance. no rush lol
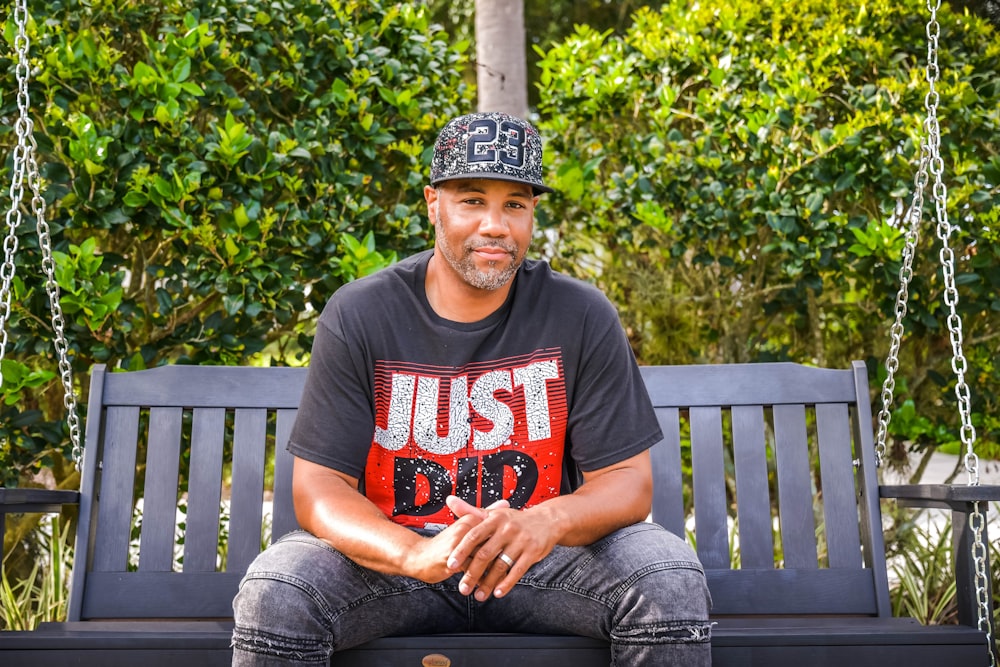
(497, 551)
(608, 499)
(431, 560)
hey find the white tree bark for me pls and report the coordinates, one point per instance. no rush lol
(502, 69)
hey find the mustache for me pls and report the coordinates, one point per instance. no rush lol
(483, 243)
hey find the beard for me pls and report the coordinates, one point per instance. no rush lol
(495, 276)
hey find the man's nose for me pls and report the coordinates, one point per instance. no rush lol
(493, 222)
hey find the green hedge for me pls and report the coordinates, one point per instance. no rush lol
(213, 172)
(729, 171)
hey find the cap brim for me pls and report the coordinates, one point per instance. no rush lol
(537, 187)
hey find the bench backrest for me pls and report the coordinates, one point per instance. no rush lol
(747, 437)
(204, 447)
(197, 445)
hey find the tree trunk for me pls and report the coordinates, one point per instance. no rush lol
(502, 70)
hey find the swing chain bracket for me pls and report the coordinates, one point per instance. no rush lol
(25, 167)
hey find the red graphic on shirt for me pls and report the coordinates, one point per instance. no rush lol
(482, 432)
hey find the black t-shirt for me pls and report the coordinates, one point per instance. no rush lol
(512, 406)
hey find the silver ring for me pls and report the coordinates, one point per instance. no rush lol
(506, 559)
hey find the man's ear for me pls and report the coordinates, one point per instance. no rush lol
(431, 198)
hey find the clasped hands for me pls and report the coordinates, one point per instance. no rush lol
(493, 546)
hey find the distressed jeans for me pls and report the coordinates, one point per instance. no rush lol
(640, 588)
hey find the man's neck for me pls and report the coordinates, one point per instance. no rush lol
(454, 299)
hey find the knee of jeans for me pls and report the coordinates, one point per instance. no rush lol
(249, 647)
(279, 617)
(280, 605)
(668, 603)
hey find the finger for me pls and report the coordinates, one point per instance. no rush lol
(498, 578)
(462, 508)
(452, 537)
(476, 538)
(468, 542)
(474, 547)
(478, 574)
(490, 568)
(511, 577)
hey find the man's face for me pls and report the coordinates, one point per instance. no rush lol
(483, 228)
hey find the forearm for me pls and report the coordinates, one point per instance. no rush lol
(615, 499)
(359, 530)
(328, 505)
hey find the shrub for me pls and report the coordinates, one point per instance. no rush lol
(731, 174)
(213, 171)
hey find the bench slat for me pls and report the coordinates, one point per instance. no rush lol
(159, 508)
(840, 510)
(753, 504)
(160, 595)
(868, 503)
(246, 509)
(201, 538)
(747, 384)
(782, 591)
(711, 527)
(795, 493)
(114, 504)
(665, 457)
(283, 520)
(207, 386)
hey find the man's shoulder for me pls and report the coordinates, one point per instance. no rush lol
(379, 297)
(545, 282)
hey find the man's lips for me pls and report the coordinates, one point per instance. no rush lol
(492, 254)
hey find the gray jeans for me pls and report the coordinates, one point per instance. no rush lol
(640, 588)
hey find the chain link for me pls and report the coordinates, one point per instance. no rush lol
(26, 168)
(932, 164)
(17, 180)
(912, 217)
(980, 557)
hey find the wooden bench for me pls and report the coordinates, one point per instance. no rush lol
(810, 588)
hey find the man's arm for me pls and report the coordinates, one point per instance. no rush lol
(329, 505)
(610, 498)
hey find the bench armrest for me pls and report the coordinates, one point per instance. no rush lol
(960, 500)
(22, 501)
(958, 497)
(26, 501)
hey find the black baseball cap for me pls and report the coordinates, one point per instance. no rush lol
(492, 145)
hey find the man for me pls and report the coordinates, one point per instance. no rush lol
(472, 448)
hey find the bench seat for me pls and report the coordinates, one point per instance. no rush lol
(736, 642)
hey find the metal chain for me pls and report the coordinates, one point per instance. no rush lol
(930, 160)
(913, 217)
(959, 365)
(980, 558)
(16, 185)
(26, 167)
